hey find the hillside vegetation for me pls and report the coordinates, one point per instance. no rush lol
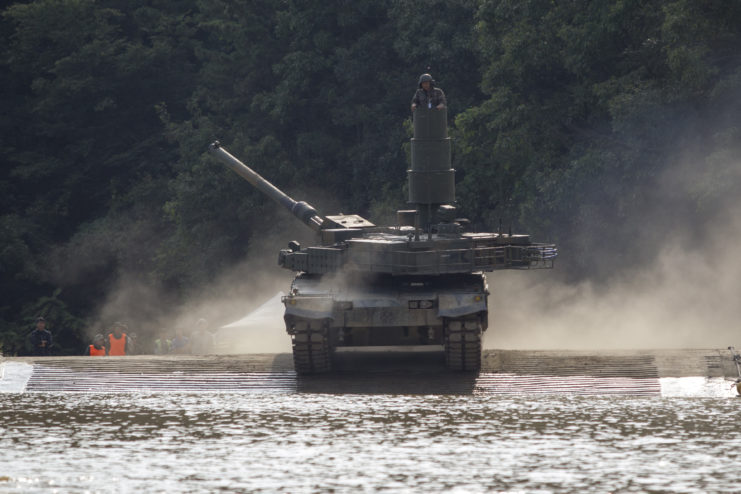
(602, 126)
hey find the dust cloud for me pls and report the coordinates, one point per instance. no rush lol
(151, 312)
(687, 296)
(683, 293)
(241, 307)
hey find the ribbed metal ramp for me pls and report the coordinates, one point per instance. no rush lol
(503, 372)
(488, 383)
(258, 373)
(565, 372)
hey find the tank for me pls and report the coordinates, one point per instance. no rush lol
(419, 284)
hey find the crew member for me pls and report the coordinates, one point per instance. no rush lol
(117, 340)
(40, 338)
(97, 349)
(427, 95)
(162, 345)
(181, 343)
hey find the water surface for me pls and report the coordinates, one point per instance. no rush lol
(323, 442)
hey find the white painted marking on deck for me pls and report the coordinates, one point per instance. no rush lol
(14, 376)
(696, 387)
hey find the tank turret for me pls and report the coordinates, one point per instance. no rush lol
(417, 283)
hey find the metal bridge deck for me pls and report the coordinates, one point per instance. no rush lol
(503, 372)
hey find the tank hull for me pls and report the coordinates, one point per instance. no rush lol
(324, 313)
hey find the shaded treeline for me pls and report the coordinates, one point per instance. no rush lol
(603, 126)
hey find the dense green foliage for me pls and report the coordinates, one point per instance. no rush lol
(581, 121)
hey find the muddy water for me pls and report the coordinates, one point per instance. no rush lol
(319, 442)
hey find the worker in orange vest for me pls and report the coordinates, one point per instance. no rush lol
(117, 340)
(97, 349)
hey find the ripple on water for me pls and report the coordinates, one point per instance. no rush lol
(318, 442)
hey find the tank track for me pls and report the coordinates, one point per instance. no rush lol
(312, 353)
(463, 344)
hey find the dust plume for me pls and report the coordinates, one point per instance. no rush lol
(151, 312)
(685, 296)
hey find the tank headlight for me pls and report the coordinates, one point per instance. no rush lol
(477, 298)
(425, 304)
(292, 301)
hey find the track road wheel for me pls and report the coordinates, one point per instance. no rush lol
(311, 351)
(463, 345)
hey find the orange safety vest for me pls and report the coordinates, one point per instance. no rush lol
(94, 352)
(117, 345)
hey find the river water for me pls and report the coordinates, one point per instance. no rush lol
(326, 442)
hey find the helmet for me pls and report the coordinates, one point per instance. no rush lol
(426, 78)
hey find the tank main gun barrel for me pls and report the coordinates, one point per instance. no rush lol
(300, 209)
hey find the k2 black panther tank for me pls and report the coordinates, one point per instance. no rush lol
(419, 282)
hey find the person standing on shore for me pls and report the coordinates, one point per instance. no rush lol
(97, 349)
(181, 343)
(40, 339)
(117, 340)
